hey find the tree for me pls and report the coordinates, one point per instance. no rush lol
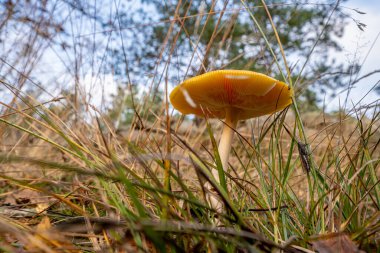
(225, 36)
(152, 43)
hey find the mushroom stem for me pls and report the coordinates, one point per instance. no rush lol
(224, 147)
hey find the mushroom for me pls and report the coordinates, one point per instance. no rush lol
(231, 95)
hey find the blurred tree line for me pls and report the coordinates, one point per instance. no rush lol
(147, 44)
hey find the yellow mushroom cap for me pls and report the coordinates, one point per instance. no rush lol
(246, 94)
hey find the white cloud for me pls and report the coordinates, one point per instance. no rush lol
(361, 47)
(98, 90)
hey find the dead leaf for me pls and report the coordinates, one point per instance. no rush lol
(48, 239)
(42, 207)
(24, 197)
(336, 243)
(25, 203)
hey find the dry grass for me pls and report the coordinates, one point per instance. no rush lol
(72, 179)
(41, 180)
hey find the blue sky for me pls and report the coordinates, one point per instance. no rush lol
(357, 45)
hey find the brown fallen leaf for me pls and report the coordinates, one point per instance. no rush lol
(48, 239)
(25, 197)
(24, 203)
(336, 243)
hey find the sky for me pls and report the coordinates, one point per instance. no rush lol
(363, 47)
(358, 46)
